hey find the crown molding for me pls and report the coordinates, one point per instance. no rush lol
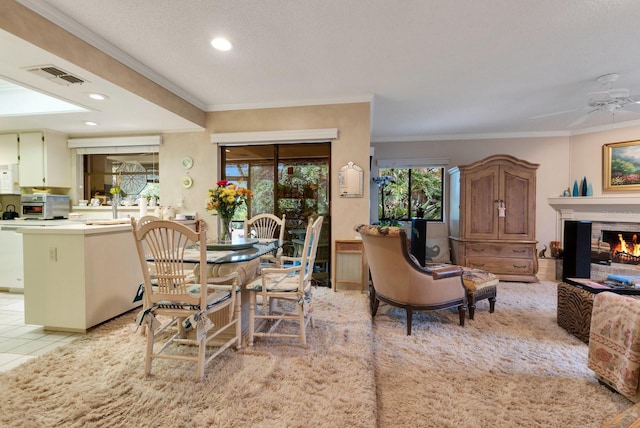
(297, 103)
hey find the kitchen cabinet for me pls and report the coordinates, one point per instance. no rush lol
(77, 275)
(492, 217)
(11, 264)
(8, 149)
(45, 160)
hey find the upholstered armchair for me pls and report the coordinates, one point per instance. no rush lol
(399, 281)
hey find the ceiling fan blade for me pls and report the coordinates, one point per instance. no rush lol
(600, 95)
(634, 99)
(581, 119)
(619, 93)
(555, 113)
(611, 95)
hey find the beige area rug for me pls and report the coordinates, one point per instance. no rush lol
(513, 368)
(98, 380)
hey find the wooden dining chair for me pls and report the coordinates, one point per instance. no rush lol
(284, 287)
(267, 226)
(176, 309)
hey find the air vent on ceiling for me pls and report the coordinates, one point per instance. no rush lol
(56, 74)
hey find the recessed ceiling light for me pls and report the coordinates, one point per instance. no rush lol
(91, 123)
(221, 44)
(97, 96)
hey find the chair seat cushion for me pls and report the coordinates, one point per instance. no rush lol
(477, 279)
(277, 282)
(214, 297)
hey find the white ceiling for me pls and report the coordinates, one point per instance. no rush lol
(435, 69)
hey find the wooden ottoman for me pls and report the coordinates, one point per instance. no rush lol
(478, 284)
(574, 310)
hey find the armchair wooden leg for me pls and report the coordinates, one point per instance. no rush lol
(462, 313)
(492, 304)
(373, 301)
(472, 305)
(409, 320)
(374, 306)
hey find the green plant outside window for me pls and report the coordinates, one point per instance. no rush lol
(405, 193)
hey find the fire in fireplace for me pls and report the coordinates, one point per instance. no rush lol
(625, 246)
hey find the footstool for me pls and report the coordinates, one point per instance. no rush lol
(479, 284)
(574, 310)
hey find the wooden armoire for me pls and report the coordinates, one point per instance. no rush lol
(492, 217)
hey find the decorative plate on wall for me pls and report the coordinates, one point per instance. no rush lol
(186, 182)
(187, 162)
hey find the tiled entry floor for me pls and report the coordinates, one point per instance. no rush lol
(20, 342)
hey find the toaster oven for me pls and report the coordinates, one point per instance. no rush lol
(43, 206)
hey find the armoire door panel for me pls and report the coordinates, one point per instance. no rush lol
(515, 220)
(481, 192)
(517, 189)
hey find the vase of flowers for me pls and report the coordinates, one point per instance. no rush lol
(226, 230)
(115, 200)
(223, 201)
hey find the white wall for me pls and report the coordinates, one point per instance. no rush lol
(586, 157)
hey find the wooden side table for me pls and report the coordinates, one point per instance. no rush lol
(351, 266)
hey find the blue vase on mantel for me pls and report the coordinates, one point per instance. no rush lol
(584, 186)
(576, 192)
(590, 190)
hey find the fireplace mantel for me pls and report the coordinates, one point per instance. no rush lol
(598, 208)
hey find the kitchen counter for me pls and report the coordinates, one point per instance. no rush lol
(84, 226)
(15, 224)
(73, 228)
(77, 275)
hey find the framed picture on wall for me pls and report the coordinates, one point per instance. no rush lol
(621, 166)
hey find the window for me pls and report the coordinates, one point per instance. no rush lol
(251, 167)
(137, 174)
(403, 192)
(291, 179)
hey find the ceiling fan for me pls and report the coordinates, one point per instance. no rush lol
(609, 100)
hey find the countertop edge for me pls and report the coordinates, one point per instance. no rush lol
(77, 229)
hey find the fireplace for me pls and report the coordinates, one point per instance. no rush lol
(624, 246)
(609, 215)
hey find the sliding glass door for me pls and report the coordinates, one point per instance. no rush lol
(290, 179)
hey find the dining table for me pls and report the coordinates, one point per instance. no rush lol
(242, 255)
(239, 250)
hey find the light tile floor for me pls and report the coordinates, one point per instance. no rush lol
(20, 342)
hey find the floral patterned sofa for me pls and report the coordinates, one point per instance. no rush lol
(614, 351)
(630, 418)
